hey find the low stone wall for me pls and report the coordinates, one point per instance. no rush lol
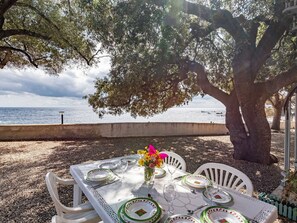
(109, 130)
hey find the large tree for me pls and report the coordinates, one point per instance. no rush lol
(164, 52)
(44, 33)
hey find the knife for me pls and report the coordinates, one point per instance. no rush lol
(104, 184)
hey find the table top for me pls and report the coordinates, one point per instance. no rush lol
(107, 200)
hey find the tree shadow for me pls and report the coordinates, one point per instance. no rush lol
(22, 185)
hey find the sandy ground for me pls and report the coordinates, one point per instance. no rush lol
(23, 194)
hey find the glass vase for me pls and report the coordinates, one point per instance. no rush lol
(149, 175)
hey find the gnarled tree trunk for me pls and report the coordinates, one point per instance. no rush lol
(251, 138)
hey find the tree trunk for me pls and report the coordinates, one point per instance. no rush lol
(277, 114)
(252, 138)
(277, 102)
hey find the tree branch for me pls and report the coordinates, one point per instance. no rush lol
(280, 81)
(9, 48)
(204, 83)
(24, 32)
(218, 19)
(20, 4)
(270, 38)
(5, 5)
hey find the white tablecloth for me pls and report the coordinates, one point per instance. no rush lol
(108, 199)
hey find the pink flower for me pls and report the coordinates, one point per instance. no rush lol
(151, 150)
(163, 155)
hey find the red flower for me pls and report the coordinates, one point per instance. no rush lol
(151, 150)
(163, 155)
(151, 165)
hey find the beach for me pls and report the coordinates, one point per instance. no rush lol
(24, 197)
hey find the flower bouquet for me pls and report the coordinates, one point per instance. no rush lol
(150, 158)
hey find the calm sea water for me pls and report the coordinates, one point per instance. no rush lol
(50, 115)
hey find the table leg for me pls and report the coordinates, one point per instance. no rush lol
(77, 194)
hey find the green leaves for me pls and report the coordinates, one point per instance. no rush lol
(49, 35)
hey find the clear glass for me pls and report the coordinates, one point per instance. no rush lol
(171, 169)
(211, 190)
(122, 167)
(169, 193)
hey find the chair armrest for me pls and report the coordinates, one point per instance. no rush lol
(78, 209)
(66, 181)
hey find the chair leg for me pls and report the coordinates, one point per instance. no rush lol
(77, 194)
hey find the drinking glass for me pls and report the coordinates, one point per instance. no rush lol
(123, 165)
(171, 169)
(211, 190)
(169, 193)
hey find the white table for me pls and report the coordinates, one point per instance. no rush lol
(107, 200)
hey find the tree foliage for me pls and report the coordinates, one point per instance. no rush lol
(164, 52)
(44, 33)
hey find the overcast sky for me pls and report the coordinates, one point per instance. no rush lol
(35, 88)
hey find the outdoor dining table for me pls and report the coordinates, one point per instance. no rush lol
(107, 199)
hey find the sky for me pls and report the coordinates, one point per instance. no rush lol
(35, 88)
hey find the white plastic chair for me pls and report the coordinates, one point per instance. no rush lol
(226, 176)
(84, 212)
(58, 219)
(175, 160)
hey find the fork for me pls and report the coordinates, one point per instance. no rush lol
(191, 212)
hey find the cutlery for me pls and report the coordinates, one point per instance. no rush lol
(179, 178)
(104, 184)
(190, 189)
(191, 212)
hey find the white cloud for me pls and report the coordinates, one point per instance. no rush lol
(33, 87)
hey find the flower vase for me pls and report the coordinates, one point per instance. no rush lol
(149, 175)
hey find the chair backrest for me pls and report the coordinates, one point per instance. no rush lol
(175, 160)
(227, 176)
(52, 181)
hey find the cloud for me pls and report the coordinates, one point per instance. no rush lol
(70, 83)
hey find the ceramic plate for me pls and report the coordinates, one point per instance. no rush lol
(109, 165)
(218, 196)
(197, 181)
(97, 175)
(181, 219)
(222, 215)
(130, 160)
(124, 219)
(159, 173)
(141, 209)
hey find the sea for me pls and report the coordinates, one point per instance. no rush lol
(76, 115)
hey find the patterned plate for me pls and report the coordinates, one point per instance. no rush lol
(141, 209)
(98, 175)
(109, 165)
(124, 219)
(218, 196)
(181, 219)
(159, 173)
(222, 215)
(130, 160)
(197, 181)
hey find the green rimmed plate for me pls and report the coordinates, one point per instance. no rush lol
(218, 196)
(124, 219)
(141, 210)
(179, 218)
(159, 173)
(222, 215)
(196, 181)
(99, 175)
